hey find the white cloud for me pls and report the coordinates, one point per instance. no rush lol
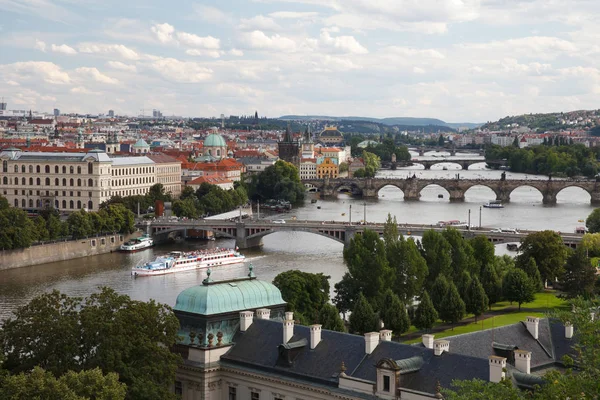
(344, 44)
(236, 52)
(181, 71)
(32, 70)
(93, 73)
(63, 49)
(83, 90)
(202, 52)
(121, 66)
(109, 49)
(293, 14)
(211, 14)
(259, 22)
(163, 32)
(418, 70)
(258, 40)
(191, 40)
(39, 45)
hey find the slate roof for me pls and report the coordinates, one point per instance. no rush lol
(549, 348)
(258, 348)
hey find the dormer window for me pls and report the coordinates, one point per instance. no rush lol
(386, 383)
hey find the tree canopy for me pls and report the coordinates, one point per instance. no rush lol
(305, 293)
(592, 222)
(517, 287)
(279, 181)
(548, 251)
(363, 319)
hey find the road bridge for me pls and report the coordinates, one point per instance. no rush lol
(249, 234)
(464, 163)
(456, 188)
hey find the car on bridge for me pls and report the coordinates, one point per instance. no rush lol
(278, 221)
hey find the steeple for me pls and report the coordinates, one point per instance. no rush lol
(288, 134)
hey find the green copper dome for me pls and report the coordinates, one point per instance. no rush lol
(226, 297)
(214, 140)
(141, 143)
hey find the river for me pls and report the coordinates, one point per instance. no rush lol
(297, 250)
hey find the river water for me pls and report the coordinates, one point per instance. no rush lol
(298, 250)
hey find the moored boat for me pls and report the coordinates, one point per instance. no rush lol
(494, 204)
(140, 243)
(177, 261)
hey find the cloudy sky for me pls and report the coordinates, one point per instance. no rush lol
(458, 60)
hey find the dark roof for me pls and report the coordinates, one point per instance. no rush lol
(258, 348)
(497, 341)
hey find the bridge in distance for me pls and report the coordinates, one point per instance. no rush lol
(249, 233)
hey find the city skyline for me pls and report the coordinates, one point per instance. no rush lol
(460, 61)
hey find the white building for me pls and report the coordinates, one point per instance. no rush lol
(308, 168)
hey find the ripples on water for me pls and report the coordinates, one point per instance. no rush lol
(299, 250)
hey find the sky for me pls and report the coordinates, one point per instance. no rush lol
(457, 60)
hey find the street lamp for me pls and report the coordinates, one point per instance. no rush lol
(350, 215)
(365, 212)
(469, 223)
(479, 217)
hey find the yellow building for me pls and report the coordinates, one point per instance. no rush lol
(327, 167)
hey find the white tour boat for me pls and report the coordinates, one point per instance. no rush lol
(140, 243)
(177, 261)
(493, 204)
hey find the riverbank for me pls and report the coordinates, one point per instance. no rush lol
(62, 251)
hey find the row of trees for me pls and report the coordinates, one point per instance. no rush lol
(208, 199)
(141, 202)
(451, 276)
(18, 230)
(105, 346)
(565, 160)
(383, 149)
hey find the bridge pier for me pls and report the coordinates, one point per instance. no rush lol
(421, 152)
(503, 196)
(456, 195)
(549, 197)
(369, 193)
(595, 198)
(242, 240)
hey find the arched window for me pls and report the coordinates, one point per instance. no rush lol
(90, 205)
(71, 204)
(23, 169)
(30, 203)
(90, 168)
(78, 182)
(56, 204)
(16, 181)
(71, 182)
(64, 181)
(47, 169)
(56, 181)
(71, 170)
(38, 203)
(47, 181)
(31, 169)
(56, 171)
(38, 169)
(23, 203)
(64, 204)
(30, 181)
(38, 181)
(64, 169)
(16, 168)
(23, 181)
(90, 182)
(16, 202)
(4, 166)
(78, 170)
(79, 204)
(5, 180)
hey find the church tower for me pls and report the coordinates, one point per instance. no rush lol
(308, 145)
(289, 150)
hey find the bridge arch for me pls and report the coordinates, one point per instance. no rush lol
(433, 190)
(347, 187)
(439, 166)
(573, 191)
(338, 236)
(533, 195)
(390, 188)
(479, 186)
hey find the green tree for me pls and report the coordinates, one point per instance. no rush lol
(592, 222)
(463, 282)
(186, 208)
(477, 389)
(532, 271)
(452, 309)
(305, 293)
(346, 291)
(425, 314)
(83, 385)
(157, 192)
(343, 167)
(492, 284)
(548, 251)
(106, 331)
(187, 192)
(359, 173)
(40, 229)
(591, 243)
(279, 181)
(79, 224)
(477, 301)
(16, 229)
(363, 319)
(517, 287)
(437, 253)
(393, 313)
(438, 291)
(483, 252)
(4, 203)
(56, 228)
(579, 276)
(329, 318)
(461, 253)
(372, 163)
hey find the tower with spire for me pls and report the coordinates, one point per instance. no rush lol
(308, 145)
(289, 149)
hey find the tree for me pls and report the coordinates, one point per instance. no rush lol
(187, 192)
(437, 253)
(483, 252)
(279, 181)
(592, 222)
(532, 271)
(492, 284)
(548, 251)
(4, 203)
(579, 276)
(438, 291)
(393, 313)
(79, 224)
(343, 167)
(329, 318)
(346, 291)
(462, 285)
(591, 243)
(186, 208)
(477, 301)
(304, 292)
(106, 331)
(359, 173)
(461, 253)
(363, 319)
(517, 287)
(40, 384)
(452, 309)
(425, 314)
(477, 389)
(441, 140)
(16, 229)
(157, 192)
(372, 163)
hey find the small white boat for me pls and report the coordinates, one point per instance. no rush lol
(178, 261)
(140, 243)
(493, 204)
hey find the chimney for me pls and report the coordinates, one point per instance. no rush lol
(592, 316)
(371, 341)
(263, 313)
(288, 327)
(497, 366)
(385, 335)
(523, 361)
(315, 336)
(245, 320)
(568, 330)
(440, 346)
(428, 341)
(532, 326)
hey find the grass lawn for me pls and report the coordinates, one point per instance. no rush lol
(544, 300)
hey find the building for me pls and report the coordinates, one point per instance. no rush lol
(214, 147)
(255, 165)
(308, 145)
(168, 173)
(289, 149)
(327, 167)
(140, 147)
(70, 181)
(2, 106)
(237, 342)
(56, 112)
(308, 168)
(354, 166)
(219, 181)
(331, 136)
(156, 114)
(111, 113)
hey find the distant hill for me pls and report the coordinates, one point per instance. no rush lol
(410, 121)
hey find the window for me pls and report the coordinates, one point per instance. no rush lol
(64, 182)
(71, 182)
(31, 169)
(386, 383)
(23, 203)
(89, 194)
(5, 181)
(78, 182)
(47, 181)
(23, 181)
(90, 182)
(71, 204)
(38, 169)
(71, 170)
(178, 388)
(232, 393)
(78, 170)
(64, 204)
(56, 204)
(90, 205)
(56, 169)
(90, 168)
(38, 181)
(47, 169)
(56, 181)
(16, 203)
(64, 169)
(93, 242)
(254, 396)
(30, 203)
(79, 204)
(23, 169)
(4, 166)
(16, 168)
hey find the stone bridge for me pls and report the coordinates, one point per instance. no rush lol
(452, 150)
(464, 163)
(249, 234)
(412, 187)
